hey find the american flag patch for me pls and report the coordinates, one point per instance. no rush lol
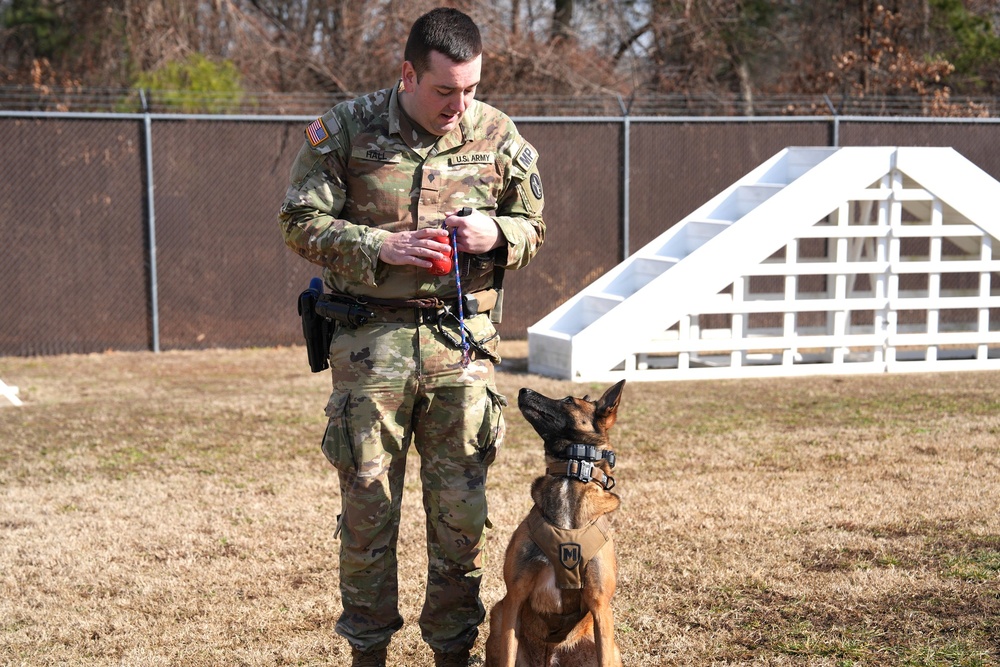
(317, 132)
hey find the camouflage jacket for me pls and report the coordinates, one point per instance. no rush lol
(362, 174)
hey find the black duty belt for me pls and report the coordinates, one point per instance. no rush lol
(370, 310)
(358, 312)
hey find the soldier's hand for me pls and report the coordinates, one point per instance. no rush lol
(476, 233)
(415, 247)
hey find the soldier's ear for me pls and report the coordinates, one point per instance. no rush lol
(409, 75)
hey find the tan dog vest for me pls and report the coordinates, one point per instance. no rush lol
(569, 550)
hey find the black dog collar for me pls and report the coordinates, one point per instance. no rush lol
(585, 471)
(581, 452)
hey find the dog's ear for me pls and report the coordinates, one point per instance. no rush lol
(606, 411)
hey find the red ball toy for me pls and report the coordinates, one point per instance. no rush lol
(441, 267)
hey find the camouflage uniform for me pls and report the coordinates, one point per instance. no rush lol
(365, 171)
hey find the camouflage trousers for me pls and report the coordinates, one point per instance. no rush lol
(394, 384)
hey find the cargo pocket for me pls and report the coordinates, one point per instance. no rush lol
(338, 444)
(487, 337)
(493, 428)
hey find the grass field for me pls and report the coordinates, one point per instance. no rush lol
(175, 509)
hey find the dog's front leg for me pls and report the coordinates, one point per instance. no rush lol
(506, 653)
(604, 636)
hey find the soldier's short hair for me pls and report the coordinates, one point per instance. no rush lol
(445, 30)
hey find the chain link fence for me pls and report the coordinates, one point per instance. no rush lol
(132, 100)
(159, 231)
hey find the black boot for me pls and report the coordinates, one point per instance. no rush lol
(372, 658)
(457, 659)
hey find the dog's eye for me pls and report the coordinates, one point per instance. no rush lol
(568, 399)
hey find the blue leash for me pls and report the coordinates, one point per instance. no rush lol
(458, 284)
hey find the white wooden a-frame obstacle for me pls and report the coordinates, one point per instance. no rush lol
(820, 261)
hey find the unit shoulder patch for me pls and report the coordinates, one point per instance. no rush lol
(530, 189)
(536, 184)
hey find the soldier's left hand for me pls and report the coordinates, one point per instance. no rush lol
(476, 233)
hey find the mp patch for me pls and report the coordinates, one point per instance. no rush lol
(316, 132)
(526, 157)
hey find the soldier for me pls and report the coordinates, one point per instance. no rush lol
(373, 200)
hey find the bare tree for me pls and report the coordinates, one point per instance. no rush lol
(723, 48)
(562, 20)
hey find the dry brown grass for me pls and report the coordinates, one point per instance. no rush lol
(175, 509)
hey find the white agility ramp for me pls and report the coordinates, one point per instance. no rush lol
(819, 261)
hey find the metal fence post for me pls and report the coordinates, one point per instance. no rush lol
(835, 127)
(154, 305)
(626, 174)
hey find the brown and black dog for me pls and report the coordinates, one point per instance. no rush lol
(560, 567)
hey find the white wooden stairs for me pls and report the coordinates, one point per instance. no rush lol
(819, 261)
